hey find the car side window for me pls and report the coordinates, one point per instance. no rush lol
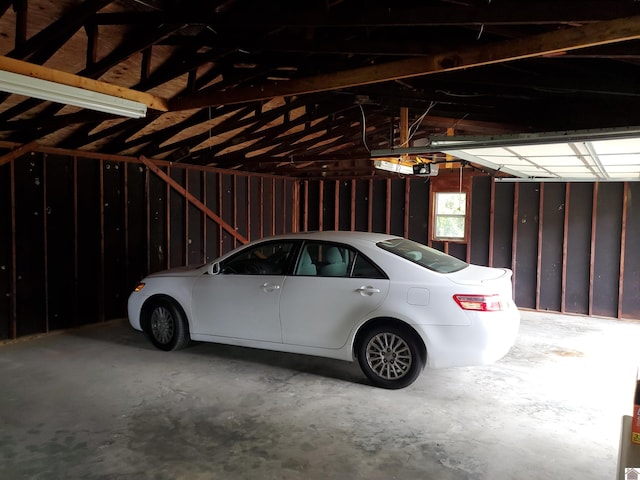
(325, 260)
(270, 258)
(322, 259)
(363, 268)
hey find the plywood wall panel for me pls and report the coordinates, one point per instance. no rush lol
(158, 253)
(480, 220)
(606, 272)
(578, 248)
(30, 257)
(313, 205)
(419, 201)
(89, 279)
(362, 206)
(503, 225)
(136, 224)
(194, 238)
(379, 223)
(630, 304)
(397, 207)
(345, 205)
(551, 249)
(177, 205)
(212, 243)
(526, 242)
(60, 241)
(6, 263)
(228, 197)
(115, 285)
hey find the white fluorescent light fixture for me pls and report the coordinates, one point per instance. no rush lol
(79, 97)
(393, 167)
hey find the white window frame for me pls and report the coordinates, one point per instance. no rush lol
(437, 216)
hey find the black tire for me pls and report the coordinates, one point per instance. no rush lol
(167, 327)
(390, 356)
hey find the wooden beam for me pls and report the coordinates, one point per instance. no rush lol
(555, 42)
(499, 13)
(44, 73)
(191, 198)
(18, 152)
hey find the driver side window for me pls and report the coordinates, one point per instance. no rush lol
(271, 258)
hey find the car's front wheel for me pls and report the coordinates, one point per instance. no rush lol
(167, 328)
(390, 356)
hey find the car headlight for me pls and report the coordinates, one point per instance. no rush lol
(139, 287)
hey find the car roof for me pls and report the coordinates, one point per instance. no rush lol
(336, 236)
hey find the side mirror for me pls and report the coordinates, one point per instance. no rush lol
(214, 269)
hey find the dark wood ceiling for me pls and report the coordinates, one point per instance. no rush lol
(307, 88)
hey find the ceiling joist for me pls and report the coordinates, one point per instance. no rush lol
(552, 43)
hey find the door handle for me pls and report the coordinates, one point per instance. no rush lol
(268, 287)
(367, 290)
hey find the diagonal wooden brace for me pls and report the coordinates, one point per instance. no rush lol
(198, 204)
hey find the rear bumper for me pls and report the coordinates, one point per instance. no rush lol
(487, 339)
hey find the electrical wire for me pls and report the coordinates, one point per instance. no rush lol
(413, 129)
(364, 129)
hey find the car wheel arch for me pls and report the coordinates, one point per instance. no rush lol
(387, 321)
(147, 307)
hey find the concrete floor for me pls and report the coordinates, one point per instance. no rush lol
(101, 403)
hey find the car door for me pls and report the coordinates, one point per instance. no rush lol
(242, 301)
(332, 288)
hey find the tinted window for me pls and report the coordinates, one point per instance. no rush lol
(324, 259)
(270, 258)
(422, 255)
(363, 268)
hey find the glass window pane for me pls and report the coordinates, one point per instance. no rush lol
(449, 227)
(451, 203)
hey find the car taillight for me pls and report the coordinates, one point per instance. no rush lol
(480, 303)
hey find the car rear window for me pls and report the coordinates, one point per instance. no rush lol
(427, 257)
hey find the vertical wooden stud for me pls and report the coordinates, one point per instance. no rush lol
(235, 207)
(273, 206)
(594, 216)
(353, 204)
(203, 179)
(76, 293)
(13, 330)
(370, 207)
(186, 218)
(514, 238)
(261, 207)
(565, 246)
(101, 311)
(321, 206)
(147, 195)
(623, 246)
(492, 220)
(45, 247)
(540, 225)
(305, 207)
(336, 209)
(407, 197)
(125, 175)
(387, 215)
(220, 229)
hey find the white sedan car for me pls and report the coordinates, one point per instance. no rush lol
(393, 304)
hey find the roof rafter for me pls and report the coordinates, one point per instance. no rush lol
(600, 33)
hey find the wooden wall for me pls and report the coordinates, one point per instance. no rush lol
(77, 232)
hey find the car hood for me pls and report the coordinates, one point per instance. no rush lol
(189, 271)
(477, 275)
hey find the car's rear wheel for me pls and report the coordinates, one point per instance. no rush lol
(167, 328)
(390, 356)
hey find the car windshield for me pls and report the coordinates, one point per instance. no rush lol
(422, 255)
